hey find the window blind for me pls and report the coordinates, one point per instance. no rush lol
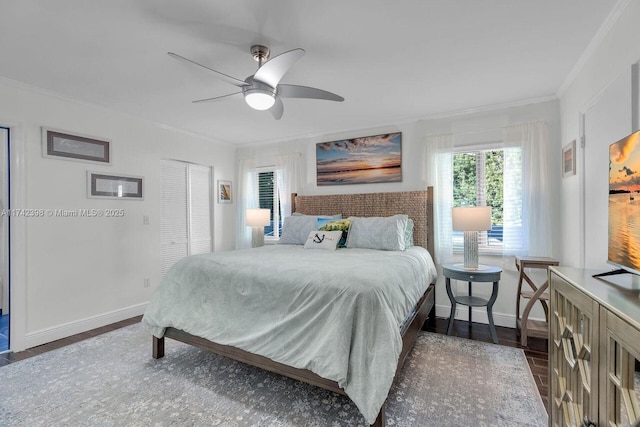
(268, 199)
(479, 180)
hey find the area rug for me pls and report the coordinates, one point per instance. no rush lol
(111, 380)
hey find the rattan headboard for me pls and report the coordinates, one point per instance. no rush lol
(418, 205)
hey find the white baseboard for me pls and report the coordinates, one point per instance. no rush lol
(53, 333)
(479, 315)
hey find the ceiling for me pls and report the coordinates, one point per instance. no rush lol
(393, 62)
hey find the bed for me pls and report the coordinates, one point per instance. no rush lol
(319, 323)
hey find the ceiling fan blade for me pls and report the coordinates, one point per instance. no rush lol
(294, 91)
(277, 109)
(226, 78)
(215, 98)
(272, 71)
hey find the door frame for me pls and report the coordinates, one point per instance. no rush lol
(17, 233)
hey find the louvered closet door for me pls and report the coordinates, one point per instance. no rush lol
(199, 190)
(174, 232)
(186, 211)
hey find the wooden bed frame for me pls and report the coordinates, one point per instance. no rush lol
(418, 205)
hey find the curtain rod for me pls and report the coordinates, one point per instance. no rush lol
(500, 128)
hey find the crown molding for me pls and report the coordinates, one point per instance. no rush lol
(53, 94)
(593, 45)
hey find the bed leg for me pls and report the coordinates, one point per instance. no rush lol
(431, 318)
(158, 347)
(381, 417)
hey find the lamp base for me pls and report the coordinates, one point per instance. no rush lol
(471, 250)
(257, 237)
(479, 268)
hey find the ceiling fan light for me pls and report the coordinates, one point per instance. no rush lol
(259, 99)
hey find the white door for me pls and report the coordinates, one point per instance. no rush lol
(186, 214)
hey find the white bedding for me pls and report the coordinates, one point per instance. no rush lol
(335, 313)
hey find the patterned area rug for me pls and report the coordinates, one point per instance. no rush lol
(111, 380)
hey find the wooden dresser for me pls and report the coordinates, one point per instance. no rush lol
(594, 346)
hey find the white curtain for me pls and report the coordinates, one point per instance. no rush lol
(247, 197)
(439, 165)
(288, 173)
(526, 208)
(529, 217)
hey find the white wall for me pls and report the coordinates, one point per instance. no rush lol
(606, 121)
(610, 60)
(75, 273)
(479, 125)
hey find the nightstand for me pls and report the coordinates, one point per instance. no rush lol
(484, 273)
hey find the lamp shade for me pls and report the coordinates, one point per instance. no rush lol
(259, 99)
(258, 217)
(472, 218)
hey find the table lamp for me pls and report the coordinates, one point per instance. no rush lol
(257, 219)
(471, 219)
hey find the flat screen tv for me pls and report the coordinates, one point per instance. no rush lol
(624, 205)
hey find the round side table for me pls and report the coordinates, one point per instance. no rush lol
(484, 273)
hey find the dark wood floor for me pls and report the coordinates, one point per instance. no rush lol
(7, 358)
(536, 351)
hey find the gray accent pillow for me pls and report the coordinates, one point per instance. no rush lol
(385, 233)
(296, 228)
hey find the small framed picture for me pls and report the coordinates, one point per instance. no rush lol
(103, 186)
(224, 191)
(569, 159)
(62, 145)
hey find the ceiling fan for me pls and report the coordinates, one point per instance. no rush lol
(263, 90)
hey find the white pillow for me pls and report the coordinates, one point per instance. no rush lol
(408, 234)
(296, 227)
(323, 240)
(386, 233)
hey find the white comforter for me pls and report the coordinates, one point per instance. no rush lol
(335, 313)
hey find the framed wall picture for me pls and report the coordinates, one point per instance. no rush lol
(363, 160)
(105, 186)
(63, 145)
(569, 159)
(224, 191)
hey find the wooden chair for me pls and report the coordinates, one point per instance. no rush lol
(524, 326)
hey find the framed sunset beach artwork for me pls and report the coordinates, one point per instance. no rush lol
(364, 160)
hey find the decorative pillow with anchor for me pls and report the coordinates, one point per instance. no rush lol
(319, 239)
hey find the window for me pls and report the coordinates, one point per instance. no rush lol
(478, 180)
(525, 212)
(269, 199)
